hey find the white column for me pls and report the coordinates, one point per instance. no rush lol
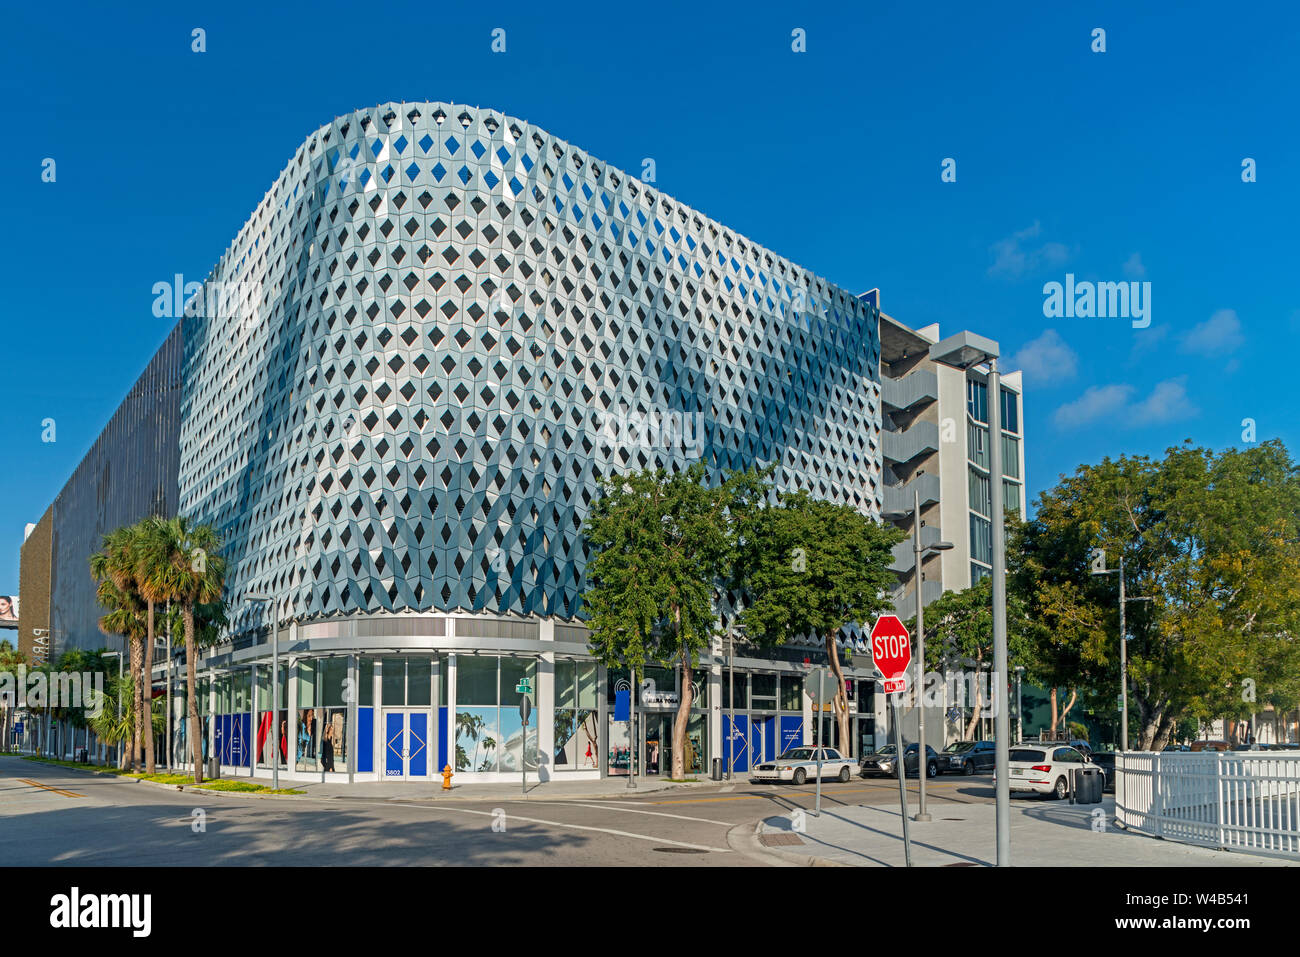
(376, 726)
(291, 730)
(545, 704)
(451, 707)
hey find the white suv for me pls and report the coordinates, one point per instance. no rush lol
(1044, 768)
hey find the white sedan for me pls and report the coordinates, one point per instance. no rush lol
(1044, 768)
(797, 765)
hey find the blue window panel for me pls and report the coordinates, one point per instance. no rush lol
(792, 731)
(735, 745)
(365, 740)
(417, 743)
(442, 741)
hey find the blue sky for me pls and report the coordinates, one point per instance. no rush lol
(1115, 166)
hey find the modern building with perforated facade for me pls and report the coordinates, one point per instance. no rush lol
(398, 389)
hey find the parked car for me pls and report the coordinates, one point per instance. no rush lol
(885, 761)
(1176, 747)
(1044, 768)
(1082, 746)
(1106, 761)
(1204, 745)
(797, 765)
(970, 757)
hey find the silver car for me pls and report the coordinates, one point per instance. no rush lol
(797, 765)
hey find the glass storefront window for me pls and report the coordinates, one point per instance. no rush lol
(239, 692)
(791, 691)
(394, 681)
(476, 679)
(577, 744)
(419, 682)
(334, 739)
(366, 682)
(332, 673)
(306, 683)
(308, 735)
(763, 692)
(489, 732)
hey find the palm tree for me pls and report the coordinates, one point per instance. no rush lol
(113, 569)
(181, 563)
(112, 729)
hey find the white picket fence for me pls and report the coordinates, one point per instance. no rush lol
(1237, 800)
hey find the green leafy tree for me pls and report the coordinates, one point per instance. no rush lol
(116, 727)
(810, 569)
(661, 548)
(183, 565)
(959, 638)
(1210, 538)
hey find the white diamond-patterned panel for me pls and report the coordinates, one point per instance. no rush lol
(402, 399)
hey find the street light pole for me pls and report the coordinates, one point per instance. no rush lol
(965, 351)
(731, 701)
(1001, 728)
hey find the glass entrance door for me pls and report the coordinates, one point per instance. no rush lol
(406, 745)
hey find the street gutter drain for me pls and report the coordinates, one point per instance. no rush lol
(780, 839)
(679, 850)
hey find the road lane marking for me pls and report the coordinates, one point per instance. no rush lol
(826, 793)
(629, 810)
(581, 827)
(46, 787)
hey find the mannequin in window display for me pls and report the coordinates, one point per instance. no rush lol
(306, 734)
(284, 733)
(327, 749)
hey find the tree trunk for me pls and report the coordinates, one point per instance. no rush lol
(147, 690)
(841, 699)
(1163, 730)
(137, 704)
(680, 722)
(191, 686)
(1054, 707)
(1074, 696)
(971, 728)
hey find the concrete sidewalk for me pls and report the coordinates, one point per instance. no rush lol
(1043, 834)
(422, 791)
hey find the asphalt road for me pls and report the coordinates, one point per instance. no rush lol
(55, 816)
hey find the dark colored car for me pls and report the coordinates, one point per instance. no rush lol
(884, 761)
(970, 757)
(1106, 761)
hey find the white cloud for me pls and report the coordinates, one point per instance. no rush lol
(1048, 358)
(1012, 258)
(1168, 401)
(1219, 334)
(1096, 402)
(1133, 267)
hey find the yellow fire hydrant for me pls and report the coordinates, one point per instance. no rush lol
(446, 778)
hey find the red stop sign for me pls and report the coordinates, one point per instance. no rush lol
(891, 650)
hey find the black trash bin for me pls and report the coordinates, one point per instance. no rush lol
(715, 773)
(1087, 785)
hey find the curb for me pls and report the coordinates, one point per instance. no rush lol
(743, 838)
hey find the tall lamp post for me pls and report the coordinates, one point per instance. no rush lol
(965, 351)
(920, 554)
(1123, 647)
(275, 688)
